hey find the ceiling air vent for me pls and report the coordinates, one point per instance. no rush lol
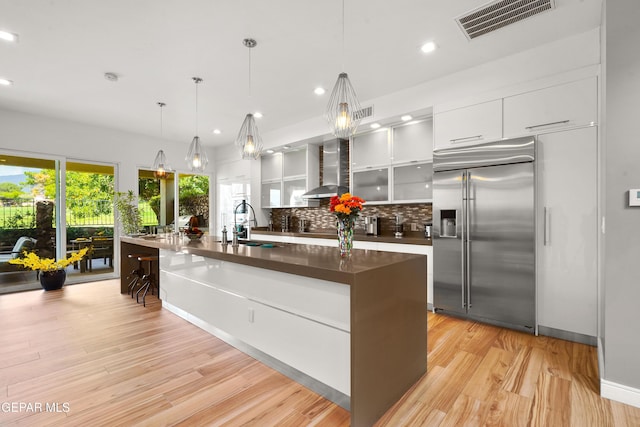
(363, 113)
(498, 14)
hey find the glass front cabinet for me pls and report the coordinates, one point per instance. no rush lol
(395, 164)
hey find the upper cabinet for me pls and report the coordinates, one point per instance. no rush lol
(294, 163)
(554, 108)
(287, 175)
(468, 125)
(271, 167)
(563, 106)
(393, 165)
(412, 141)
(370, 149)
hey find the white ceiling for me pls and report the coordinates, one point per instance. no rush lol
(156, 46)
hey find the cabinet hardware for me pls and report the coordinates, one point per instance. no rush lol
(546, 226)
(562, 122)
(464, 139)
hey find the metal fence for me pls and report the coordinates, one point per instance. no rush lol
(21, 213)
(17, 213)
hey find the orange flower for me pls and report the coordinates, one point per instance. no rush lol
(346, 206)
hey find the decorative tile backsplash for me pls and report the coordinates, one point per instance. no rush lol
(320, 219)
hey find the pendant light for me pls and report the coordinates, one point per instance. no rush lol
(196, 157)
(343, 109)
(249, 141)
(161, 166)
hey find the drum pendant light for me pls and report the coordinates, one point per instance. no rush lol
(249, 141)
(161, 166)
(343, 110)
(196, 157)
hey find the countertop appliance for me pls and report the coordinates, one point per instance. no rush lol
(398, 226)
(484, 233)
(372, 225)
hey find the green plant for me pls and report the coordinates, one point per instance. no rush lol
(128, 213)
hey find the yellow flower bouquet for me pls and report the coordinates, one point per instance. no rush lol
(34, 262)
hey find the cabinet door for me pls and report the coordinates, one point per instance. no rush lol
(413, 182)
(372, 184)
(568, 227)
(469, 125)
(295, 163)
(413, 141)
(370, 149)
(293, 191)
(550, 109)
(271, 167)
(271, 194)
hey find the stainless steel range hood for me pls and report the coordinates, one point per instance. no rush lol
(335, 170)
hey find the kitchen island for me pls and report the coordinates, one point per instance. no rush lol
(353, 330)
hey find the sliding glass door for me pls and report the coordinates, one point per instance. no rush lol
(90, 217)
(29, 208)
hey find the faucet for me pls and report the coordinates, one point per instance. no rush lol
(244, 205)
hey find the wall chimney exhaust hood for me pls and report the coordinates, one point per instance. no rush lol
(335, 170)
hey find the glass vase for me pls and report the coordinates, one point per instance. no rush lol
(345, 237)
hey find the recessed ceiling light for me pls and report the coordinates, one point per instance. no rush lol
(286, 147)
(10, 37)
(406, 118)
(257, 115)
(319, 91)
(217, 131)
(5, 82)
(428, 47)
(374, 125)
(270, 151)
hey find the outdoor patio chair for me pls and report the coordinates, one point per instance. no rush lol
(22, 244)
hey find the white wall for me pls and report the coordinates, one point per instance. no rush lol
(561, 56)
(44, 135)
(622, 237)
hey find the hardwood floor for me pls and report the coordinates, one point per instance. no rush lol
(105, 360)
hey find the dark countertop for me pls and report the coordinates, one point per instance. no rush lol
(321, 262)
(415, 238)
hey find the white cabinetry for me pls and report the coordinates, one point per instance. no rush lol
(550, 109)
(287, 176)
(300, 321)
(468, 125)
(412, 142)
(568, 227)
(370, 149)
(394, 165)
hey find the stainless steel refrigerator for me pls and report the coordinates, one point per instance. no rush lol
(484, 232)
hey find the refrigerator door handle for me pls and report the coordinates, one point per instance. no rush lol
(468, 245)
(547, 231)
(463, 218)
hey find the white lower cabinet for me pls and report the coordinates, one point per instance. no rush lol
(567, 231)
(300, 321)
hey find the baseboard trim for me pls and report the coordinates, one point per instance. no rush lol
(568, 336)
(620, 393)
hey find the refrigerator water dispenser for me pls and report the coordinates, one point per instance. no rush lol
(448, 223)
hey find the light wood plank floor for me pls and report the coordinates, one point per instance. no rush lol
(98, 358)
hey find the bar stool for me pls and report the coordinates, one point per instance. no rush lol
(148, 280)
(136, 274)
